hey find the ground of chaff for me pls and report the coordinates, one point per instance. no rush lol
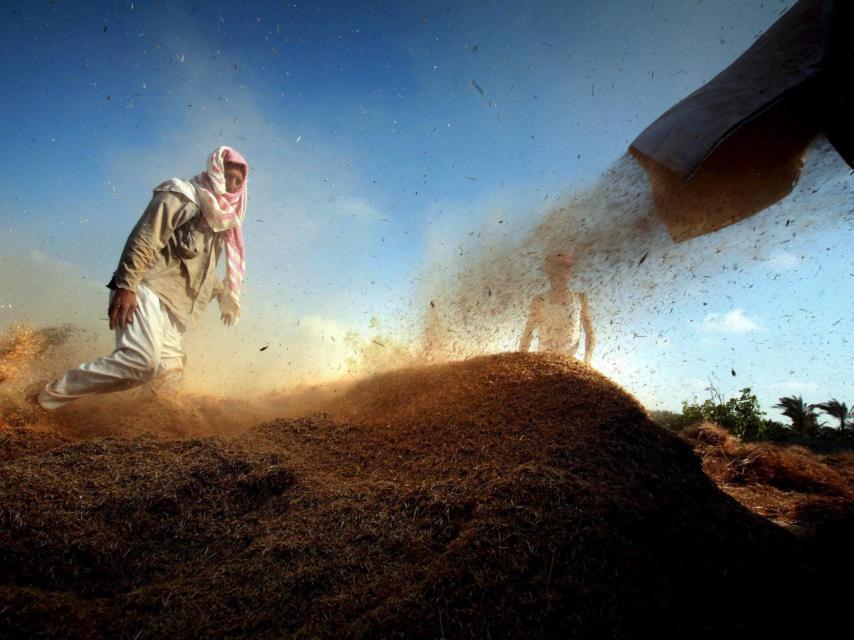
(510, 495)
(794, 487)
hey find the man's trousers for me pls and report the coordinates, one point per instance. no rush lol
(148, 350)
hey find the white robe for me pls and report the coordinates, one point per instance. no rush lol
(148, 350)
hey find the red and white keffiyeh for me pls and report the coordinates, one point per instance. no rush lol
(223, 211)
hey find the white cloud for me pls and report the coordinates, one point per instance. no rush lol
(793, 386)
(358, 208)
(735, 321)
(781, 262)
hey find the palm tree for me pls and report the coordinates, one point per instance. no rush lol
(836, 409)
(802, 415)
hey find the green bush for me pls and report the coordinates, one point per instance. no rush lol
(741, 416)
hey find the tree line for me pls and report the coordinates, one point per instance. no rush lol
(743, 417)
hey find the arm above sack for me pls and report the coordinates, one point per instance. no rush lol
(530, 326)
(589, 329)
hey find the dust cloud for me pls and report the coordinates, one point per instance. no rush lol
(641, 284)
(645, 289)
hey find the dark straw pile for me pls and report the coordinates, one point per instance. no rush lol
(515, 495)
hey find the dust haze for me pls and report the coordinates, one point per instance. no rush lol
(645, 289)
(473, 300)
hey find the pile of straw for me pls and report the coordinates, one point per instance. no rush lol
(788, 483)
(517, 495)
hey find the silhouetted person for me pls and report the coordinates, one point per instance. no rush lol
(559, 314)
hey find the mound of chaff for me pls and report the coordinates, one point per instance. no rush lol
(808, 493)
(517, 495)
(791, 469)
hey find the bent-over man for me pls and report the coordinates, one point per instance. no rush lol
(165, 279)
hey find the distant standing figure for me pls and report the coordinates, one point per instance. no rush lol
(559, 314)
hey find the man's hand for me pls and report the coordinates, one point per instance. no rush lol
(121, 308)
(229, 311)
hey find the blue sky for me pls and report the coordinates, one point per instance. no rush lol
(378, 133)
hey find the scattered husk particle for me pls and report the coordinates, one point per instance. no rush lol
(515, 495)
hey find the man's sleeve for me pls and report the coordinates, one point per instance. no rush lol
(218, 287)
(164, 214)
